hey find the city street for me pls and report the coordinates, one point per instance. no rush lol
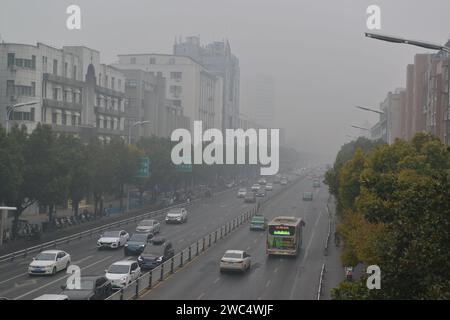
(269, 277)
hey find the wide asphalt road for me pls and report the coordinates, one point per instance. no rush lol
(269, 277)
(204, 216)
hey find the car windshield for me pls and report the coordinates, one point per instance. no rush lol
(158, 241)
(242, 190)
(138, 238)
(258, 219)
(153, 251)
(233, 255)
(119, 268)
(175, 211)
(146, 223)
(111, 234)
(43, 256)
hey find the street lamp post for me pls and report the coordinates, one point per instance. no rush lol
(138, 123)
(361, 128)
(370, 109)
(421, 44)
(10, 110)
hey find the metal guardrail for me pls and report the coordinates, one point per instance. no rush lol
(163, 271)
(325, 251)
(322, 274)
(77, 236)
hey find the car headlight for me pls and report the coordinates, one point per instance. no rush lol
(178, 218)
(126, 245)
(140, 258)
(142, 245)
(159, 259)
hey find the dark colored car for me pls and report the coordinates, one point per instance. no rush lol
(136, 244)
(258, 223)
(261, 193)
(153, 256)
(158, 241)
(91, 288)
(250, 197)
(307, 196)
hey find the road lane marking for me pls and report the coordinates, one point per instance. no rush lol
(81, 260)
(59, 279)
(248, 248)
(305, 256)
(181, 240)
(15, 277)
(200, 296)
(268, 283)
(217, 280)
(275, 270)
(256, 240)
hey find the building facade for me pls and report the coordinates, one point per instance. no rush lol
(218, 59)
(146, 98)
(191, 90)
(73, 92)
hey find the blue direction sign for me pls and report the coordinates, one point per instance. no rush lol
(144, 167)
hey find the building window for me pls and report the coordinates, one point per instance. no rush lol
(65, 96)
(54, 117)
(64, 118)
(65, 69)
(10, 85)
(33, 88)
(177, 103)
(133, 60)
(74, 120)
(105, 124)
(119, 85)
(55, 67)
(176, 75)
(55, 93)
(175, 90)
(152, 60)
(172, 61)
(106, 81)
(33, 61)
(131, 83)
(113, 83)
(11, 58)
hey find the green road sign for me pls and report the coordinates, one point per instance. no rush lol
(144, 167)
(184, 167)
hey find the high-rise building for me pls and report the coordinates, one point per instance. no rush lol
(218, 59)
(191, 90)
(71, 90)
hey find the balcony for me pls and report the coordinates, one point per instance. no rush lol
(114, 132)
(63, 80)
(109, 92)
(110, 112)
(50, 103)
(65, 128)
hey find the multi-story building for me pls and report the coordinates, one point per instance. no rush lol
(146, 97)
(217, 58)
(73, 92)
(191, 90)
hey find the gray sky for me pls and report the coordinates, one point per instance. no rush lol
(315, 49)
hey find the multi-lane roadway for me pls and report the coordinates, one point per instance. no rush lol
(269, 278)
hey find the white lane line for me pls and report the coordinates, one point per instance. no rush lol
(275, 270)
(59, 279)
(248, 248)
(306, 255)
(81, 260)
(217, 280)
(200, 296)
(181, 240)
(15, 277)
(256, 240)
(268, 283)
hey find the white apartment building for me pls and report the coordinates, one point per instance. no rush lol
(191, 88)
(73, 91)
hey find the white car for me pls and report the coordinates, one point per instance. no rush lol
(176, 215)
(113, 239)
(149, 226)
(256, 187)
(242, 192)
(269, 187)
(49, 262)
(122, 273)
(235, 260)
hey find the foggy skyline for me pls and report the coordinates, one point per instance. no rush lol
(316, 50)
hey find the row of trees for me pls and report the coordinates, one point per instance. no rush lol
(393, 202)
(49, 169)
